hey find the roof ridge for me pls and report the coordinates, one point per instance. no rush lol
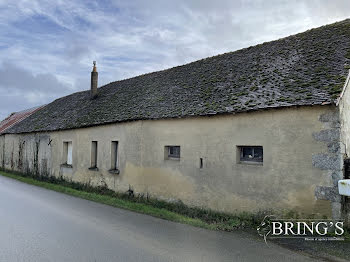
(276, 74)
(227, 53)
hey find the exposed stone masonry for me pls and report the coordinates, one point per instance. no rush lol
(331, 160)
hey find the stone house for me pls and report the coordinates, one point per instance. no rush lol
(265, 127)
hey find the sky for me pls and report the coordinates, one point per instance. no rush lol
(47, 47)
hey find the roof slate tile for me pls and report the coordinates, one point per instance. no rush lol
(304, 69)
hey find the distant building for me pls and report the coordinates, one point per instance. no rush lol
(16, 117)
(261, 128)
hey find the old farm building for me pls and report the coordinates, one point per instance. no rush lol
(15, 118)
(260, 128)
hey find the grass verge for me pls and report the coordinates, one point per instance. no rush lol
(177, 212)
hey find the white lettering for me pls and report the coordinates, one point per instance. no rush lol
(339, 225)
(310, 229)
(275, 227)
(298, 228)
(325, 228)
(288, 227)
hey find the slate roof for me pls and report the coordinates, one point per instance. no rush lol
(16, 117)
(304, 69)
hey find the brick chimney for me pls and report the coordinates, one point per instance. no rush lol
(94, 78)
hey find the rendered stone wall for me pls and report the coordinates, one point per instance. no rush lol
(344, 110)
(300, 157)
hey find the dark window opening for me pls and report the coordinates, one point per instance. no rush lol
(114, 163)
(251, 154)
(67, 153)
(201, 163)
(172, 152)
(93, 154)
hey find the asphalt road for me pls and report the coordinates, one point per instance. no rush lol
(41, 225)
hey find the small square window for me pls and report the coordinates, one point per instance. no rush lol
(172, 152)
(251, 154)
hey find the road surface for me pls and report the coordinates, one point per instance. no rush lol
(42, 225)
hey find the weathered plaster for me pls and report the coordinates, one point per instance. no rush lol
(296, 158)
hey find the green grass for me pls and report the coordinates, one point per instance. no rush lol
(145, 204)
(177, 212)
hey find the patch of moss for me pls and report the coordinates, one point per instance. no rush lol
(347, 55)
(335, 89)
(335, 96)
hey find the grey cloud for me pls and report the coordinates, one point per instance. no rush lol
(20, 89)
(142, 36)
(325, 9)
(12, 102)
(15, 78)
(77, 46)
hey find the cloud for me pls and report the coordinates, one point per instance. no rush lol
(47, 47)
(20, 89)
(15, 78)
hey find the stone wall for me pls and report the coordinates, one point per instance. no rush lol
(331, 160)
(30, 153)
(344, 106)
(301, 159)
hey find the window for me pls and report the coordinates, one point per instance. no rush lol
(251, 154)
(114, 151)
(67, 153)
(172, 152)
(94, 154)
